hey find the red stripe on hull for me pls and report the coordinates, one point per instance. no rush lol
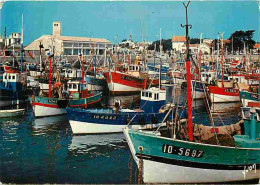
(45, 105)
(223, 91)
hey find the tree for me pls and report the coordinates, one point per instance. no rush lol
(239, 38)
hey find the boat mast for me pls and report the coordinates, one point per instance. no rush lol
(222, 60)
(50, 58)
(22, 46)
(189, 100)
(160, 58)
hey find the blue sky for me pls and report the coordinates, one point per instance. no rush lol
(108, 19)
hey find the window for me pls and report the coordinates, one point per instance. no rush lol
(68, 51)
(150, 95)
(74, 86)
(13, 77)
(75, 51)
(142, 93)
(70, 86)
(9, 77)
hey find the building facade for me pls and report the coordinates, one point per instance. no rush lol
(69, 46)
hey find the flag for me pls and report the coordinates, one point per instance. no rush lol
(30, 54)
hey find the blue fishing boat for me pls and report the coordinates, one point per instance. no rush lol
(114, 120)
(12, 89)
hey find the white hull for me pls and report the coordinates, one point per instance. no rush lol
(157, 172)
(178, 174)
(40, 111)
(79, 127)
(116, 87)
(217, 98)
(11, 113)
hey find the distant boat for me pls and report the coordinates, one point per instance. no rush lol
(11, 113)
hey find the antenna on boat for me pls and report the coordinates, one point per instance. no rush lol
(189, 100)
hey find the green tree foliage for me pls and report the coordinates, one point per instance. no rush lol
(166, 43)
(194, 41)
(239, 37)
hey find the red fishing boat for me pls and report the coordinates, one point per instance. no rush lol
(122, 83)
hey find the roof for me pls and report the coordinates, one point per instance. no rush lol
(178, 39)
(81, 39)
(257, 46)
(46, 39)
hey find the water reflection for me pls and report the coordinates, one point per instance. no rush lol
(46, 123)
(96, 145)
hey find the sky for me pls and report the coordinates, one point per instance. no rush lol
(111, 19)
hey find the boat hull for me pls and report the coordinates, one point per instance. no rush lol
(106, 121)
(247, 97)
(79, 127)
(223, 95)
(11, 113)
(175, 161)
(123, 83)
(43, 106)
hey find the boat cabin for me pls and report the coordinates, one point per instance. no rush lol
(152, 99)
(135, 70)
(13, 80)
(76, 89)
(208, 76)
(250, 139)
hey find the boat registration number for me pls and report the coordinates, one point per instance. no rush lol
(231, 90)
(104, 117)
(169, 149)
(256, 96)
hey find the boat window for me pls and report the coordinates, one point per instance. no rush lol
(150, 95)
(74, 86)
(209, 75)
(70, 86)
(142, 93)
(13, 77)
(9, 77)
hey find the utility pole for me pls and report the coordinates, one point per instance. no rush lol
(189, 100)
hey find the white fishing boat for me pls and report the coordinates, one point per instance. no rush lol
(11, 113)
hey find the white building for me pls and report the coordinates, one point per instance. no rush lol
(177, 43)
(67, 45)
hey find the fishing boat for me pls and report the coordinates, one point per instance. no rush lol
(79, 96)
(114, 120)
(223, 94)
(12, 91)
(123, 83)
(168, 160)
(172, 160)
(51, 106)
(250, 98)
